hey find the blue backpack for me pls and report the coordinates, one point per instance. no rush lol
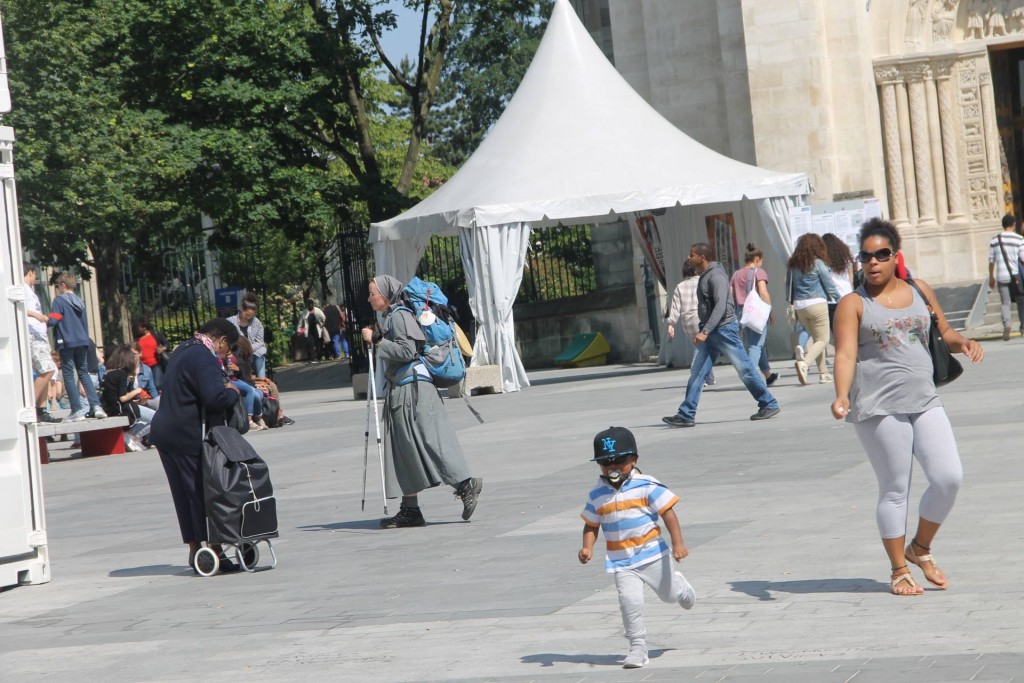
(440, 354)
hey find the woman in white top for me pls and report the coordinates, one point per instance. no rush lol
(840, 263)
(683, 309)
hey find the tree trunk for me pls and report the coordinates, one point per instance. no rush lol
(115, 317)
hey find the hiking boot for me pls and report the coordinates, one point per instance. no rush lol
(765, 413)
(43, 416)
(636, 659)
(468, 492)
(677, 421)
(405, 517)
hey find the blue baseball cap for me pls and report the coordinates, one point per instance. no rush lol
(613, 442)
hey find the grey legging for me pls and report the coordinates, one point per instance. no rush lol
(891, 442)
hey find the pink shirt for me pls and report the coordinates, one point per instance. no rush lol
(740, 282)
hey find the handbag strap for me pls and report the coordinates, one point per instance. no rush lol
(752, 280)
(1006, 259)
(931, 309)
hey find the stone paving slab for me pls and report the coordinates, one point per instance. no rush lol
(778, 515)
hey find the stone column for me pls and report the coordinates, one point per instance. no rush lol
(947, 123)
(922, 151)
(935, 145)
(906, 152)
(886, 78)
(995, 168)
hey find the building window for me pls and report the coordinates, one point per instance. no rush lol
(596, 17)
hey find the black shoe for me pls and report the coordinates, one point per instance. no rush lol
(772, 378)
(227, 566)
(43, 416)
(405, 517)
(468, 492)
(765, 413)
(677, 421)
(287, 420)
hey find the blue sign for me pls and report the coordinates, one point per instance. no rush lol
(227, 298)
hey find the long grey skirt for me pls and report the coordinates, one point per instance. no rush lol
(420, 446)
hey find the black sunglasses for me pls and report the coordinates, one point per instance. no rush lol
(613, 460)
(882, 255)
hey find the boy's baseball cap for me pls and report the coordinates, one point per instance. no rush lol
(613, 442)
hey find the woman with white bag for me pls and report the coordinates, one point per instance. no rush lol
(750, 285)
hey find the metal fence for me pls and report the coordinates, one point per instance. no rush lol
(559, 265)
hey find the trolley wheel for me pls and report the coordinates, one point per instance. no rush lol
(248, 554)
(207, 562)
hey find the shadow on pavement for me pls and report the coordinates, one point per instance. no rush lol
(550, 658)
(762, 590)
(151, 570)
(363, 524)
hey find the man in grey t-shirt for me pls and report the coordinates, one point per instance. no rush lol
(718, 334)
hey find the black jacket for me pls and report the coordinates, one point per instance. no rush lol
(194, 380)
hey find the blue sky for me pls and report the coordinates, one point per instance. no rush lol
(403, 40)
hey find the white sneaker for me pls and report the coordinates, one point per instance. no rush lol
(826, 378)
(689, 596)
(134, 445)
(801, 371)
(798, 353)
(98, 412)
(636, 659)
(78, 415)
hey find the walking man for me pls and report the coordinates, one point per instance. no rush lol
(1004, 259)
(718, 334)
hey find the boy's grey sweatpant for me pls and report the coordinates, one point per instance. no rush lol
(660, 576)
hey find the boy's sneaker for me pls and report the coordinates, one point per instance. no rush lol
(43, 416)
(636, 659)
(689, 595)
(97, 412)
(78, 415)
(405, 517)
(765, 413)
(468, 492)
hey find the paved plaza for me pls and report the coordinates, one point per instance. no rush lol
(778, 515)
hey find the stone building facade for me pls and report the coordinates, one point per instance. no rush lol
(916, 102)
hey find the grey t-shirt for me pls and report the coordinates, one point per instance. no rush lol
(894, 368)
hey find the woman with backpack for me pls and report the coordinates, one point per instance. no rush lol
(421, 448)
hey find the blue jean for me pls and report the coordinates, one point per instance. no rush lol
(340, 343)
(725, 340)
(259, 366)
(754, 344)
(72, 361)
(253, 398)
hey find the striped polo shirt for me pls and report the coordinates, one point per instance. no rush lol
(629, 519)
(1013, 245)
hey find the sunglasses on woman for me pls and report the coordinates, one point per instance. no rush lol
(615, 460)
(881, 255)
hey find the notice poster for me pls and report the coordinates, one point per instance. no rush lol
(722, 238)
(843, 219)
(650, 241)
(824, 223)
(799, 221)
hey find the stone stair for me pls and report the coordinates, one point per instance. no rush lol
(992, 315)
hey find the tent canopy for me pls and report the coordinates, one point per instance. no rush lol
(577, 143)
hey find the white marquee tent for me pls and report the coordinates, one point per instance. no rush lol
(577, 145)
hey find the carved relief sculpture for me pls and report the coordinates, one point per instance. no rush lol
(1015, 16)
(917, 16)
(975, 20)
(995, 19)
(943, 20)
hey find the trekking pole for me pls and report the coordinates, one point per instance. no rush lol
(376, 422)
(366, 447)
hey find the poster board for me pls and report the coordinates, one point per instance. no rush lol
(841, 218)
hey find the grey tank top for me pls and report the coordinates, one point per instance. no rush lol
(894, 368)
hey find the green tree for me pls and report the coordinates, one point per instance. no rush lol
(93, 174)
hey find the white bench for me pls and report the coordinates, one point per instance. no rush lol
(99, 437)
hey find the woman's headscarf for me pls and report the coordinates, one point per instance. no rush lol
(390, 288)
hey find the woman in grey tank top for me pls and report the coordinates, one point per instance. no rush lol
(883, 375)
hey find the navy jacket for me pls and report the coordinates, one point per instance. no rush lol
(194, 380)
(68, 314)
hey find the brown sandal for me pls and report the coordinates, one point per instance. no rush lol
(914, 558)
(896, 580)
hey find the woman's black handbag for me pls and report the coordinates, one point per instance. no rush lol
(945, 368)
(238, 418)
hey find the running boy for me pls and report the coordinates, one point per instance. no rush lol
(626, 504)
